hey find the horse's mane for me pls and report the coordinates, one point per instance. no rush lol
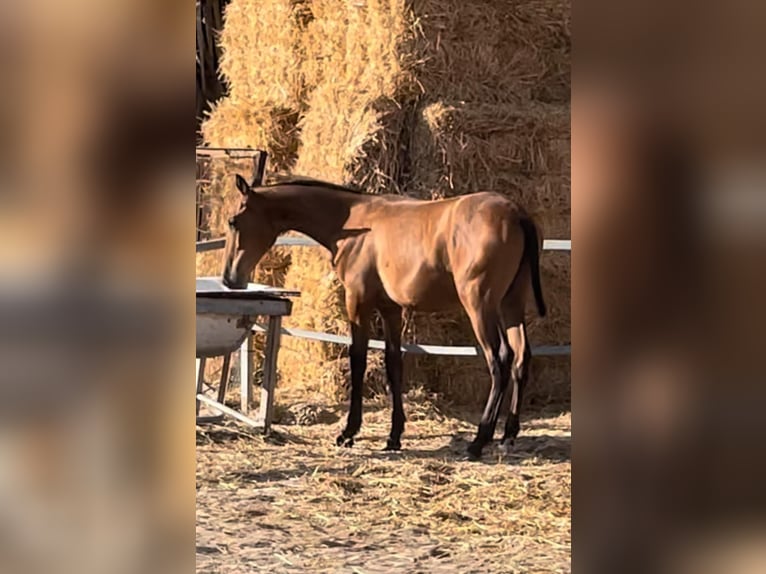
(309, 182)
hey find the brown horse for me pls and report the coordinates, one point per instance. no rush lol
(393, 253)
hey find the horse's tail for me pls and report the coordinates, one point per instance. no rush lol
(532, 255)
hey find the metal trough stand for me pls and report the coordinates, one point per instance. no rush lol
(225, 319)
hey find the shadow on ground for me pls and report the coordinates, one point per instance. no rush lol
(539, 448)
(543, 448)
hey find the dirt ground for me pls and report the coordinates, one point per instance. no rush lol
(293, 502)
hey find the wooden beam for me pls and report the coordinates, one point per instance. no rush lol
(246, 371)
(259, 169)
(244, 307)
(273, 336)
(200, 377)
(229, 411)
(237, 153)
(223, 385)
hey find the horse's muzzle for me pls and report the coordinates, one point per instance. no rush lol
(233, 283)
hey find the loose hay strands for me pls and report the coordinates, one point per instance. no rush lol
(423, 508)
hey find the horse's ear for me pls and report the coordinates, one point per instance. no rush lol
(243, 186)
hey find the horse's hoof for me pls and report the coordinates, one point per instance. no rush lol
(393, 445)
(345, 441)
(474, 451)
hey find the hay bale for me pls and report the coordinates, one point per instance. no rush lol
(260, 51)
(493, 52)
(479, 139)
(358, 144)
(357, 73)
(496, 117)
(556, 279)
(231, 124)
(521, 151)
(549, 384)
(260, 60)
(518, 150)
(359, 45)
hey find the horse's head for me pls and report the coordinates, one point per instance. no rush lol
(249, 237)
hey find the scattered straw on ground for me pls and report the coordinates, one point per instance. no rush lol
(293, 502)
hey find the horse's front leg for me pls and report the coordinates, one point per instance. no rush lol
(360, 336)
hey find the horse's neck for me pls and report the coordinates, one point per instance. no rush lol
(321, 214)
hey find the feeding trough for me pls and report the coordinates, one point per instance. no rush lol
(226, 316)
(225, 319)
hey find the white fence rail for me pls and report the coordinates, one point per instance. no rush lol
(214, 244)
(412, 348)
(452, 351)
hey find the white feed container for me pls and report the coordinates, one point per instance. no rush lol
(225, 316)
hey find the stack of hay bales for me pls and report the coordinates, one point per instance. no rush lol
(260, 45)
(349, 133)
(522, 151)
(435, 99)
(260, 48)
(495, 116)
(430, 98)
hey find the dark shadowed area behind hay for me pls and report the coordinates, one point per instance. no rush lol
(294, 502)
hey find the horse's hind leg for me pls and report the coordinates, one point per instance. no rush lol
(513, 315)
(392, 325)
(487, 326)
(517, 338)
